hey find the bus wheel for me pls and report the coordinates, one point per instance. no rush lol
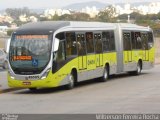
(71, 81)
(139, 68)
(105, 76)
(33, 89)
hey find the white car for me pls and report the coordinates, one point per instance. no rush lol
(3, 60)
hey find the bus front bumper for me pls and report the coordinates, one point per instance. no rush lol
(42, 83)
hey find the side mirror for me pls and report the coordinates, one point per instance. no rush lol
(7, 44)
(56, 44)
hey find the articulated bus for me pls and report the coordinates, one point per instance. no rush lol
(54, 53)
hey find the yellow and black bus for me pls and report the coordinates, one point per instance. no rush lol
(54, 53)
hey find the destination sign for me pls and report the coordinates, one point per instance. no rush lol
(26, 37)
(22, 58)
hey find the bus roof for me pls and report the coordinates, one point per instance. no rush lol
(46, 27)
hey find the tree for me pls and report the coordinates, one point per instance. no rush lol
(107, 15)
(55, 17)
(66, 17)
(80, 17)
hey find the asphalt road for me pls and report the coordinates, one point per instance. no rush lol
(121, 94)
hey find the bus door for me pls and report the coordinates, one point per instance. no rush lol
(145, 46)
(91, 64)
(81, 46)
(127, 54)
(98, 49)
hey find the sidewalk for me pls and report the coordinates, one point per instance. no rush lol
(3, 82)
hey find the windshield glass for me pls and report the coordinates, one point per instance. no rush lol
(29, 54)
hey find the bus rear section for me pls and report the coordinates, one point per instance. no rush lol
(138, 50)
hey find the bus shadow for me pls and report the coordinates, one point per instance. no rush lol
(78, 86)
(42, 90)
(124, 75)
(57, 89)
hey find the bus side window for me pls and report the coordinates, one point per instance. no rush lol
(81, 44)
(150, 40)
(126, 41)
(98, 43)
(144, 37)
(112, 41)
(71, 48)
(138, 40)
(106, 39)
(89, 42)
(133, 40)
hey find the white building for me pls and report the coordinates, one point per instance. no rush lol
(23, 18)
(33, 19)
(51, 12)
(3, 28)
(90, 11)
(152, 8)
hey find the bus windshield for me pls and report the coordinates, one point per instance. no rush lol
(29, 54)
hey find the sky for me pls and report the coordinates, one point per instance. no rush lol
(54, 3)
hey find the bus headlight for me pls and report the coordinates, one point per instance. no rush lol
(45, 74)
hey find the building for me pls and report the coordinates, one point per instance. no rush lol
(92, 12)
(3, 28)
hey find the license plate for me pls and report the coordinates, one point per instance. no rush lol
(26, 83)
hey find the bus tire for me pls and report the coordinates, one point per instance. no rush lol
(138, 69)
(105, 76)
(71, 81)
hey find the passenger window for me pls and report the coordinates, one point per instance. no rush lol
(81, 44)
(112, 41)
(144, 37)
(60, 36)
(90, 43)
(138, 40)
(98, 43)
(133, 40)
(126, 41)
(150, 40)
(150, 37)
(71, 48)
(106, 39)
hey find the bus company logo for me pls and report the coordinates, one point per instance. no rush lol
(90, 62)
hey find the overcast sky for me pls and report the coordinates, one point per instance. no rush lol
(54, 3)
